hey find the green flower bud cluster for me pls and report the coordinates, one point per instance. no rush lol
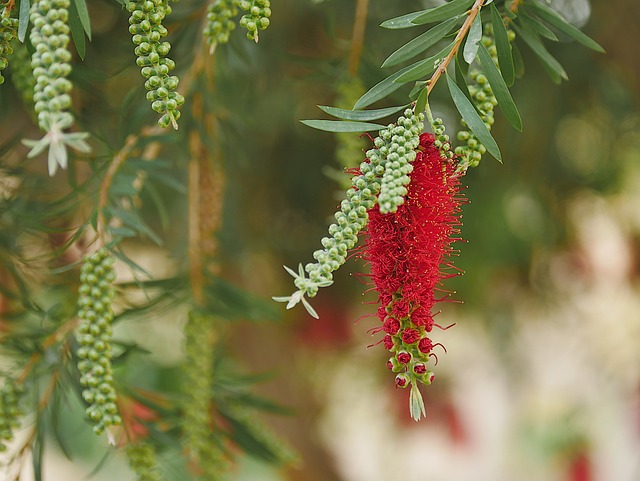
(51, 63)
(94, 335)
(401, 141)
(21, 75)
(220, 22)
(197, 385)
(484, 99)
(10, 410)
(8, 31)
(143, 461)
(353, 214)
(145, 25)
(256, 18)
(442, 141)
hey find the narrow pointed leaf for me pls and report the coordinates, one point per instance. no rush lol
(505, 57)
(291, 272)
(421, 102)
(77, 31)
(500, 89)
(342, 126)
(443, 12)
(460, 78)
(423, 68)
(420, 43)
(23, 19)
(552, 17)
(540, 28)
(309, 309)
(403, 21)
(83, 13)
(473, 40)
(555, 70)
(473, 120)
(383, 88)
(361, 115)
(518, 62)
(416, 404)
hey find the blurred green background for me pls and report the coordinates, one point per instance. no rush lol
(542, 376)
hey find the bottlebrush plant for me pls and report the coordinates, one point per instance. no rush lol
(405, 196)
(121, 226)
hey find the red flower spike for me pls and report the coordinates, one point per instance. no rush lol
(409, 252)
(391, 326)
(404, 357)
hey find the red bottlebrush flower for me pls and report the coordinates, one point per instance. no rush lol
(409, 251)
(388, 342)
(410, 336)
(391, 326)
(425, 345)
(419, 368)
(404, 357)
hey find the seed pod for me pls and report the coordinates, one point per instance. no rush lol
(197, 376)
(143, 461)
(11, 410)
(220, 22)
(8, 31)
(145, 26)
(256, 18)
(94, 335)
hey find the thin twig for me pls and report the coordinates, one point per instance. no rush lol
(442, 68)
(357, 38)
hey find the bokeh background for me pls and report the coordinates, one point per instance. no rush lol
(541, 379)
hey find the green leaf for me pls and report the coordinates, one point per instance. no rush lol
(553, 67)
(473, 120)
(83, 13)
(505, 57)
(362, 115)
(555, 19)
(403, 21)
(23, 19)
(500, 89)
(460, 78)
(416, 404)
(518, 62)
(77, 31)
(421, 102)
(341, 126)
(443, 12)
(420, 43)
(473, 40)
(382, 88)
(535, 25)
(424, 67)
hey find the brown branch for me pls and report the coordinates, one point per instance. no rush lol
(357, 38)
(442, 68)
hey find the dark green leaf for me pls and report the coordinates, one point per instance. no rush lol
(424, 67)
(361, 115)
(500, 89)
(518, 62)
(420, 43)
(122, 232)
(535, 25)
(443, 12)
(23, 19)
(415, 91)
(552, 66)
(473, 120)
(505, 58)
(421, 102)
(403, 21)
(473, 40)
(341, 126)
(382, 88)
(77, 31)
(460, 78)
(555, 19)
(83, 13)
